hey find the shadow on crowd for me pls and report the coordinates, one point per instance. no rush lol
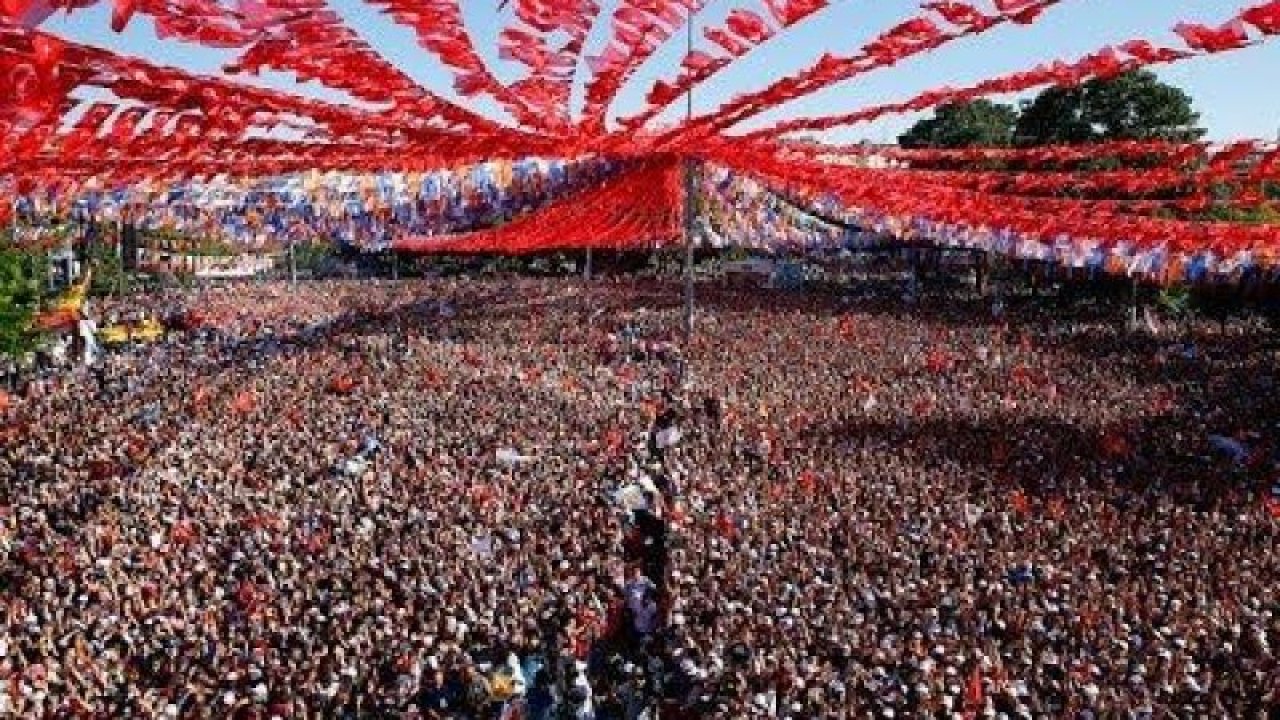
(1047, 458)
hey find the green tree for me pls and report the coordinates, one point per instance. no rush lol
(1131, 106)
(108, 269)
(316, 259)
(1137, 106)
(1175, 300)
(20, 288)
(1055, 117)
(956, 125)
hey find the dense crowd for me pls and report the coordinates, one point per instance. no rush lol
(515, 498)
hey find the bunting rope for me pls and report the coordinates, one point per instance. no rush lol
(165, 126)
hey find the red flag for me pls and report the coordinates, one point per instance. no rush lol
(923, 406)
(1022, 376)
(974, 696)
(961, 14)
(1273, 507)
(1271, 502)
(1201, 37)
(725, 526)
(244, 402)
(201, 395)
(1013, 6)
(15, 8)
(1057, 508)
(1162, 402)
(182, 533)
(1115, 444)
(1264, 17)
(342, 385)
(47, 50)
(247, 594)
(1019, 502)
(613, 441)
(939, 361)
(121, 12)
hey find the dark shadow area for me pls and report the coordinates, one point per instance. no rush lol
(1046, 457)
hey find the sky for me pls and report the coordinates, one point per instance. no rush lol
(1234, 93)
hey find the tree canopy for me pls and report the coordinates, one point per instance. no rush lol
(1132, 106)
(19, 295)
(956, 125)
(1055, 117)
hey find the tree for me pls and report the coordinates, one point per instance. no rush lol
(20, 288)
(1131, 106)
(316, 259)
(956, 125)
(1055, 117)
(108, 268)
(1137, 106)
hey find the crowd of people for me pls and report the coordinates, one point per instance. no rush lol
(528, 498)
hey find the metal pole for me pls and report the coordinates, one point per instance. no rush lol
(981, 259)
(688, 246)
(1133, 303)
(693, 16)
(119, 249)
(293, 264)
(688, 202)
(586, 270)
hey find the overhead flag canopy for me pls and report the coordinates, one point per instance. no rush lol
(158, 127)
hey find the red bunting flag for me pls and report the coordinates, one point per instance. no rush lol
(1266, 18)
(121, 12)
(789, 12)
(962, 15)
(1201, 37)
(16, 9)
(47, 50)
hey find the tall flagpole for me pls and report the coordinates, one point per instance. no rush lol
(689, 202)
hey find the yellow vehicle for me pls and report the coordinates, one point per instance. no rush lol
(114, 335)
(148, 331)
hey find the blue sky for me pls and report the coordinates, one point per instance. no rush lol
(1235, 93)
